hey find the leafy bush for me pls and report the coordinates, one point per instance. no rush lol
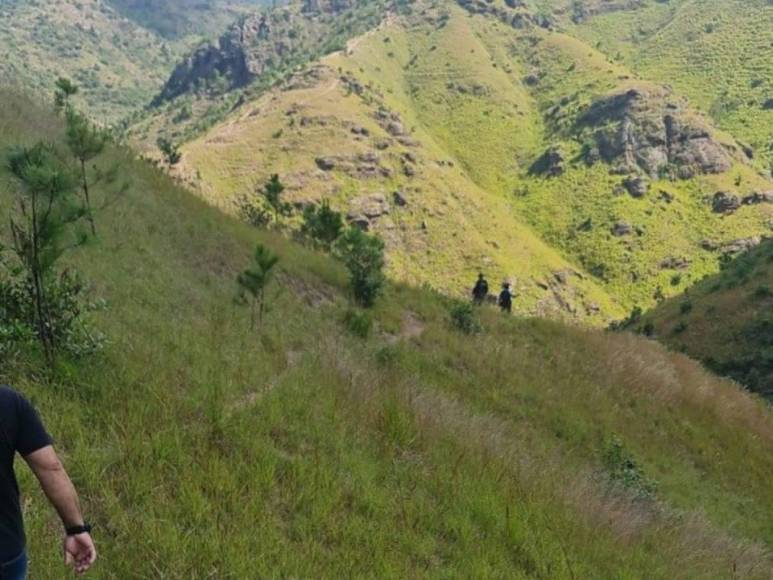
(464, 318)
(685, 307)
(67, 306)
(251, 212)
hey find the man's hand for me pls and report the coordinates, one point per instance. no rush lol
(79, 552)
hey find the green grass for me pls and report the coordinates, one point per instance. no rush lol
(202, 449)
(725, 320)
(716, 53)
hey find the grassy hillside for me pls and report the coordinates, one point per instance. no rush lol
(715, 52)
(725, 320)
(203, 449)
(120, 52)
(118, 64)
(459, 112)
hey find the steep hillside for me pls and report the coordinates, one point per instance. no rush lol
(725, 321)
(117, 63)
(500, 141)
(120, 52)
(204, 449)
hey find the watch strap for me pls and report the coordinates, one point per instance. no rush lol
(76, 530)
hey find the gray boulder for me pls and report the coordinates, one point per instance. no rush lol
(366, 210)
(637, 186)
(758, 197)
(622, 229)
(724, 202)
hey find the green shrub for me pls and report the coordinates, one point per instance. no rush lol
(358, 322)
(685, 307)
(363, 256)
(322, 225)
(680, 328)
(623, 469)
(464, 318)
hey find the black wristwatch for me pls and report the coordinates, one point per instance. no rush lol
(76, 530)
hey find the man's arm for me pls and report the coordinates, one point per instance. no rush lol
(79, 549)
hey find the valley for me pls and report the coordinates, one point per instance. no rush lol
(246, 316)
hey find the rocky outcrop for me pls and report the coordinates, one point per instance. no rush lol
(724, 202)
(758, 197)
(367, 210)
(621, 229)
(263, 42)
(732, 247)
(742, 245)
(636, 186)
(551, 164)
(650, 131)
(584, 9)
(363, 166)
(673, 263)
(514, 13)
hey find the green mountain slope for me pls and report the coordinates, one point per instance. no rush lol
(717, 53)
(119, 52)
(725, 321)
(203, 449)
(502, 136)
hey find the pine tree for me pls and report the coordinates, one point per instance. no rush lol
(170, 151)
(272, 194)
(253, 282)
(86, 142)
(65, 89)
(44, 210)
(322, 224)
(363, 256)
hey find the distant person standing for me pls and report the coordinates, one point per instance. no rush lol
(480, 291)
(22, 432)
(506, 298)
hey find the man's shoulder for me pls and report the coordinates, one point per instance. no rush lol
(7, 392)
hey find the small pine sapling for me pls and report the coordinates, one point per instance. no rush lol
(254, 280)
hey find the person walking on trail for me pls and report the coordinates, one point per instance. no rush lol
(480, 291)
(506, 298)
(22, 432)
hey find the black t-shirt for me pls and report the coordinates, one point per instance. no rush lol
(21, 431)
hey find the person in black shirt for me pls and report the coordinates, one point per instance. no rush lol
(480, 291)
(506, 298)
(22, 432)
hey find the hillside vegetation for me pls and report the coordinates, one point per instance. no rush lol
(478, 137)
(725, 321)
(205, 449)
(717, 53)
(120, 52)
